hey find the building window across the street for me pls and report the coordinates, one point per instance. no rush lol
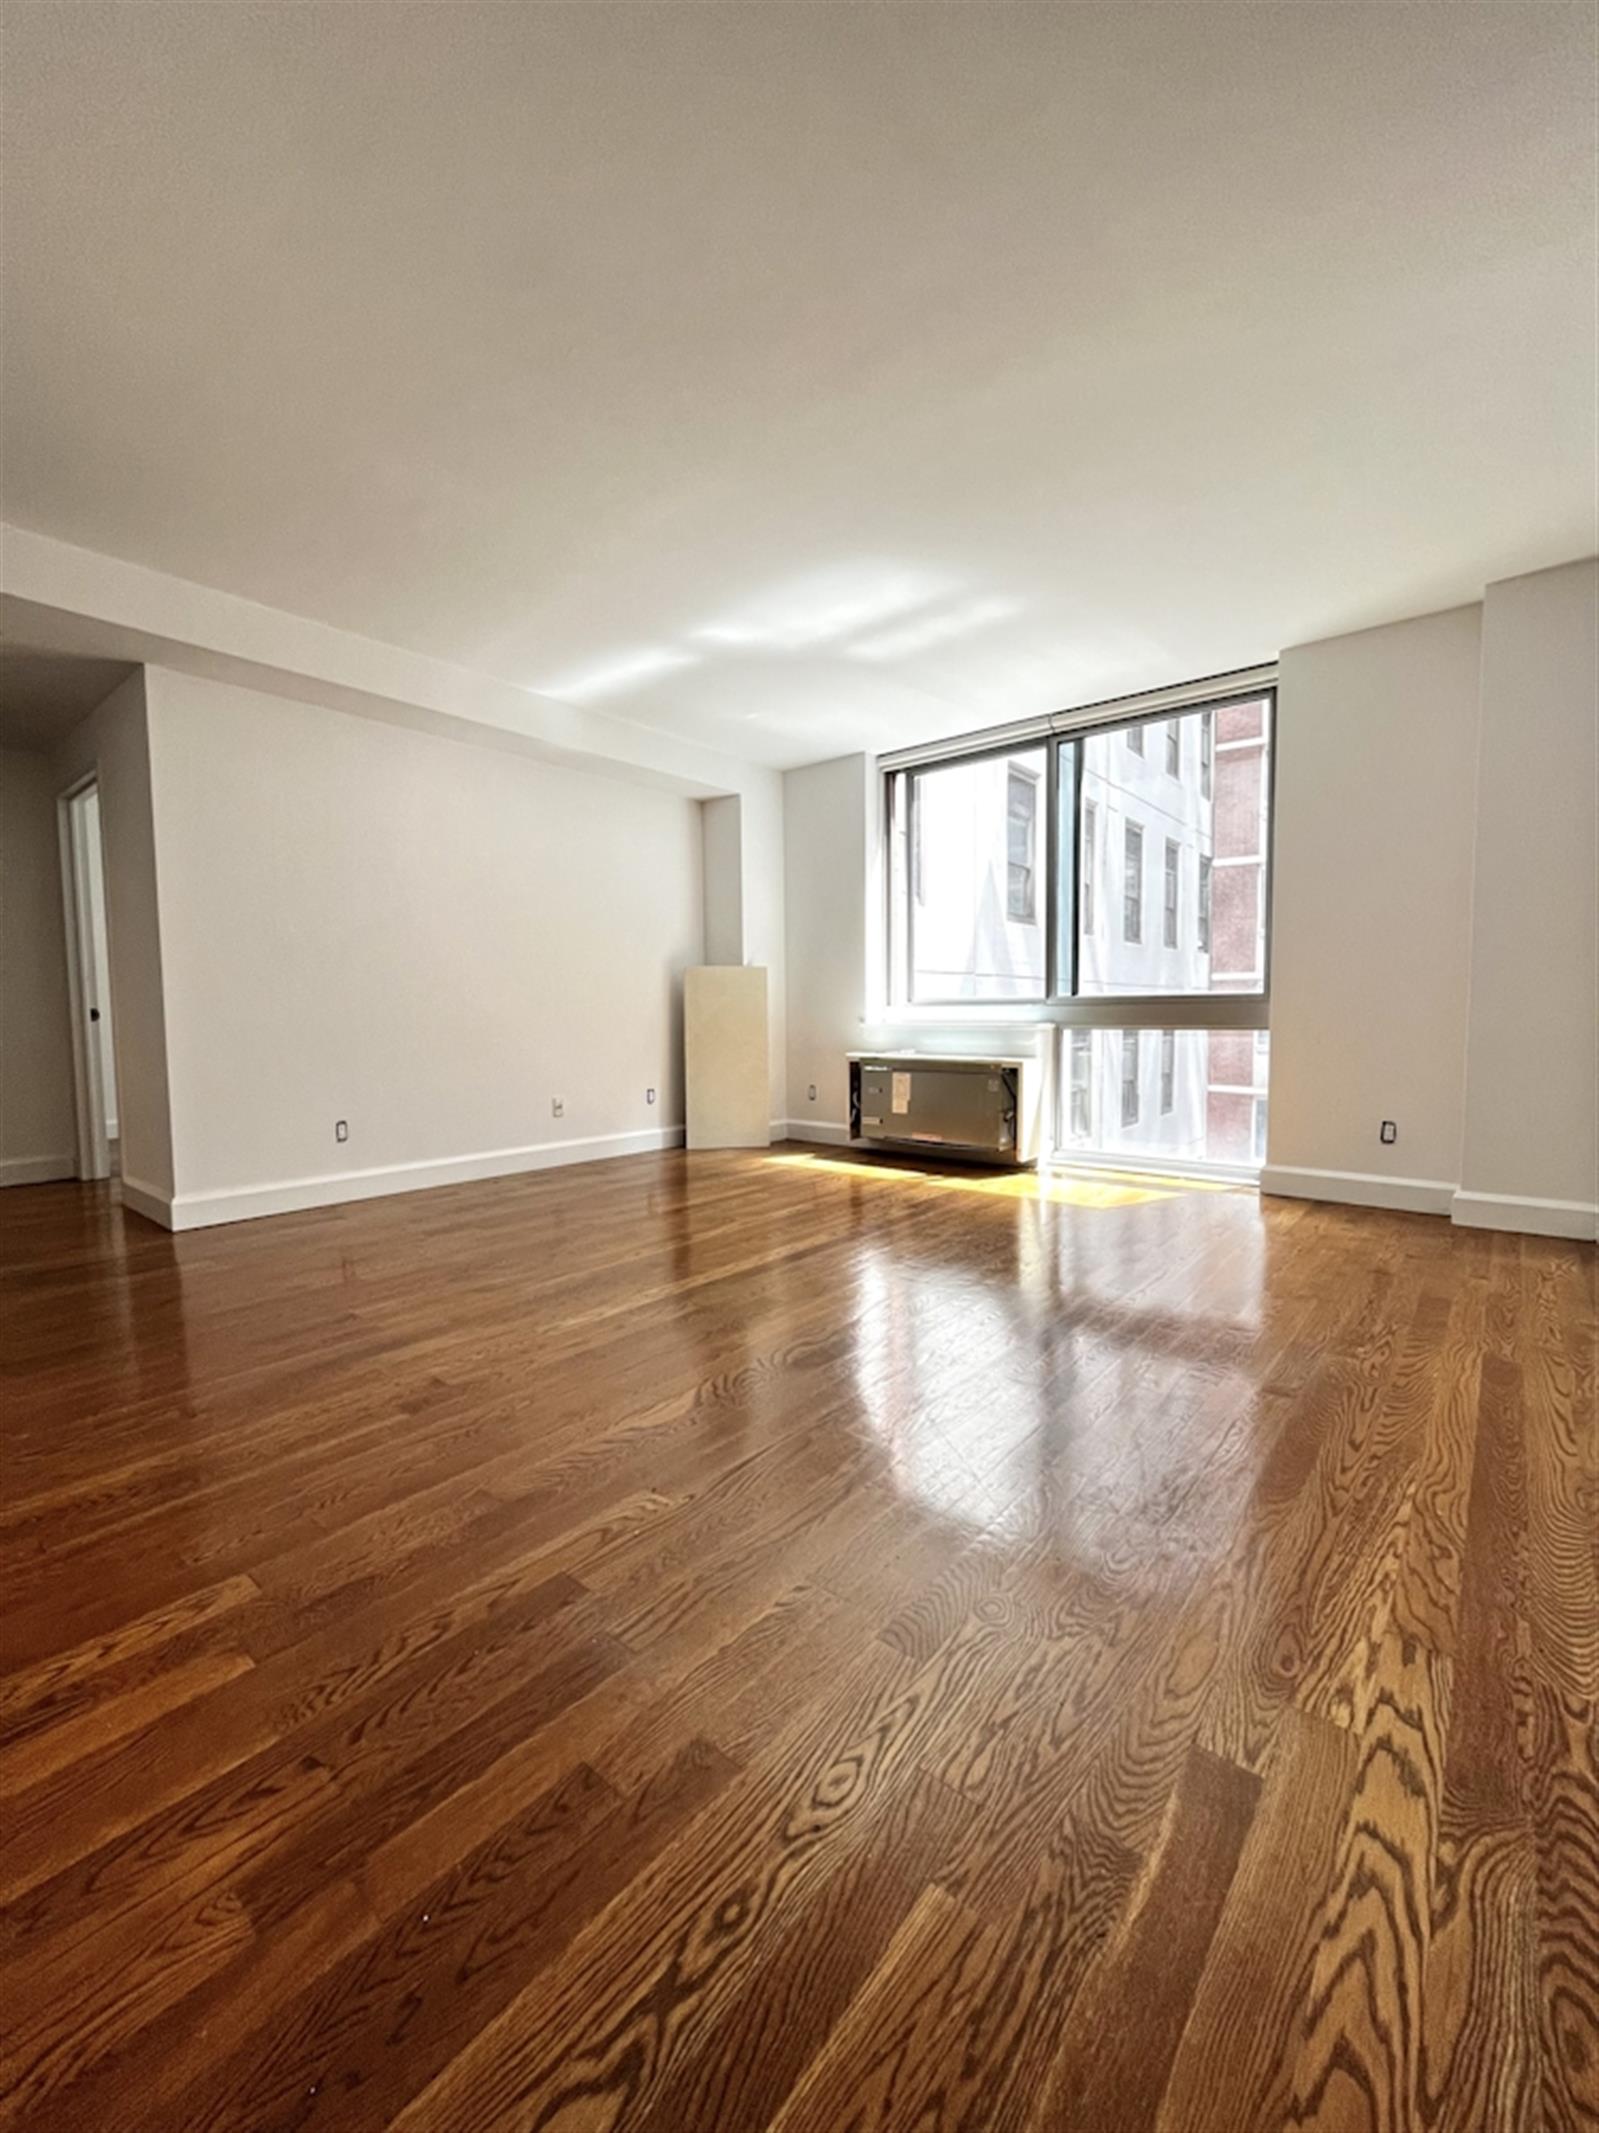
(1090, 849)
(1133, 883)
(1174, 748)
(1021, 845)
(1204, 905)
(1173, 861)
(1130, 1077)
(1082, 1119)
(1168, 1071)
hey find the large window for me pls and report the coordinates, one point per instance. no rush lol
(1113, 882)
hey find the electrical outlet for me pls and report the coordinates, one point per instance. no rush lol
(649, 1096)
(1388, 1133)
(557, 1107)
(813, 1092)
(341, 1129)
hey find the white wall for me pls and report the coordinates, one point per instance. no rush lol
(1531, 1151)
(427, 939)
(722, 832)
(1437, 912)
(37, 1120)
(1375, 811)
(114, 743)
(742, 845)
(765, 915)
(827, 825)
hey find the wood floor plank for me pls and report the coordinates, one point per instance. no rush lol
(959, 2023)
(1564, 1797)
(52, 1682)
(698, 1644)
(637, 1992)
(1107, 2071)
(351, 2051)
(1249, 2009)
(780, 2020)
(1483, 2028)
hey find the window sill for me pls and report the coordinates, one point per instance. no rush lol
(1228, 1010)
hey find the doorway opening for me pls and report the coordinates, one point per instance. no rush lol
(94, 1064)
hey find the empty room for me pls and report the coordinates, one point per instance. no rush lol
(799, 1066)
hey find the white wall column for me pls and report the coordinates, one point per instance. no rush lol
(1530, 1151)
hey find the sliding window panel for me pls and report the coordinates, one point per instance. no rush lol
(1175, 841)
(1191, 1097)
(975, 883)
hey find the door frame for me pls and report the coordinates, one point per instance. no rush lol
(88, 1082)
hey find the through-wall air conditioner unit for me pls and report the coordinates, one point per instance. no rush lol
(985, 1110)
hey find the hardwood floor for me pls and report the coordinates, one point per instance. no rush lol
(706, 1644)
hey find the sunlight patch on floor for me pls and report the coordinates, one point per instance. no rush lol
(1070, 1188)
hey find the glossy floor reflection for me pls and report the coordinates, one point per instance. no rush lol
(724, 1642)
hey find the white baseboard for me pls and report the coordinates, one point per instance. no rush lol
(145, 1200)
(824, 1130)
(37, 1169)
(1526, 1218)
(1359, 1188)
(205, 1210)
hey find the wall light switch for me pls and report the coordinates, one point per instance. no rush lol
(1389, 1133)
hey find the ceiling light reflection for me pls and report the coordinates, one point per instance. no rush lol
(624, 672)
(922, 633)
(823, 608)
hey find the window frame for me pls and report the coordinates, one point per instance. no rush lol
(1058, 1004)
